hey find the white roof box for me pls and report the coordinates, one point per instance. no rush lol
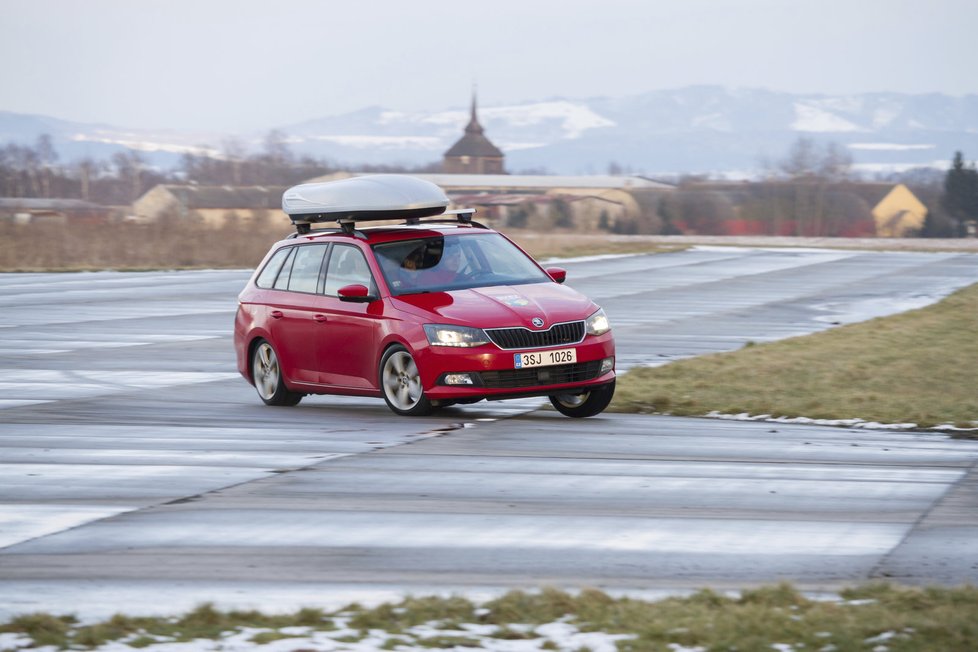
(370, 197)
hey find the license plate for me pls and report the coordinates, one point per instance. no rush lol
(544, 358)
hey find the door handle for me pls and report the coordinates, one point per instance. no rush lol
(322, 319)
(276, 314)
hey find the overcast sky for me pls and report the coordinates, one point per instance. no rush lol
(253, 65)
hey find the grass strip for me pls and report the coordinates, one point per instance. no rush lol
(191, 244)
(770, 617)
(916, 367)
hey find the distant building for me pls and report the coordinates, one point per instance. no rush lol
(213, 205)
(543, 201)
(24, 210)
(473, 153)
(899, 213)
(847, 209)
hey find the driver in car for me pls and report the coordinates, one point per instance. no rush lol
(448, 269)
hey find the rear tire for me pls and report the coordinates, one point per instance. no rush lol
(584, 404)
(400, 383)
(267, 374)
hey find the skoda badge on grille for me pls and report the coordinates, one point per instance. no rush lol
(537, 322)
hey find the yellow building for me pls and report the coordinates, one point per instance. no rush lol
(213, 206)
(899, 213)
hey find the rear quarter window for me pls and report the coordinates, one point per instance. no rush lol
(268, 275)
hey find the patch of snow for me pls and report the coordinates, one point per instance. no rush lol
(873, 168)
(952, 427)
(847, 103)
(576, 118)
(565, 636)
(568, 637)
(865, 309)
(585, 259)
(883, 116)
(676, 647)
(147, 146)
(453, 119)
(849, 423)
(385, 142)
(512, 147)
(714, 121)
(880, 638)
(888, 147)
(778, 250)
(12, 641)
(478, 629)
(815, 119)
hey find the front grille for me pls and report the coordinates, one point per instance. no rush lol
(570, 332)
(556, 375)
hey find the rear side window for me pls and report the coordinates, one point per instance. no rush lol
(282, 282)
(268, 275)
(306, 268)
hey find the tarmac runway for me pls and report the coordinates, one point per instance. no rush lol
(138, 470)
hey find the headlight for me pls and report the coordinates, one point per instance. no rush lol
(597, 324)
(439, 335)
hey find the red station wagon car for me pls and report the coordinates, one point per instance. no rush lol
(436, 311)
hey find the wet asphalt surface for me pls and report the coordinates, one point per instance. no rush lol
(137, 468)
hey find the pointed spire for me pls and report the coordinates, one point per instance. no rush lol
(473, 127)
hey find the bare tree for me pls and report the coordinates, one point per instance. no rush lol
(47, 156)
(811, 169)
(87, 170)
(836, 163)
(129, 168)
(801, 161)
(236, 154)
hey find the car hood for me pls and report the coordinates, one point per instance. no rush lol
(500, 306)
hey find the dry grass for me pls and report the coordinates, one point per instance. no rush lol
(567, 245)
(159, 245)
(960, 245)
(184, 244)
(916, 367)
(771, 617)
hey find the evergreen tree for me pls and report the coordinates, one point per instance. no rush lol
(960, 198)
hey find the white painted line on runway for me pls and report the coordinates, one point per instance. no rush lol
(23, 522)
(54, 384)
(12, 403)
(114, 341)
(391, 530)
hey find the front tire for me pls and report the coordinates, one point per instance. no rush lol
(400, 383)
(584, 404)
(267, 374)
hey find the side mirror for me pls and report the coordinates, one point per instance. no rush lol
(558, 274)
(355, 293)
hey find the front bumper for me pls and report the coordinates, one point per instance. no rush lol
(492, 373)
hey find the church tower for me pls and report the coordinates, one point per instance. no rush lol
(473, 153)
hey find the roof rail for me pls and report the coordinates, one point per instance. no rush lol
(461, 216)
(347, 225)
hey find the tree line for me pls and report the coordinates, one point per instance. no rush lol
(812, 191)
(815, 204)
(36, 171)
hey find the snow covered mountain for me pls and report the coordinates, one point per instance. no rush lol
(694, 129)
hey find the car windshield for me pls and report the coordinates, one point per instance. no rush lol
(453, 262)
